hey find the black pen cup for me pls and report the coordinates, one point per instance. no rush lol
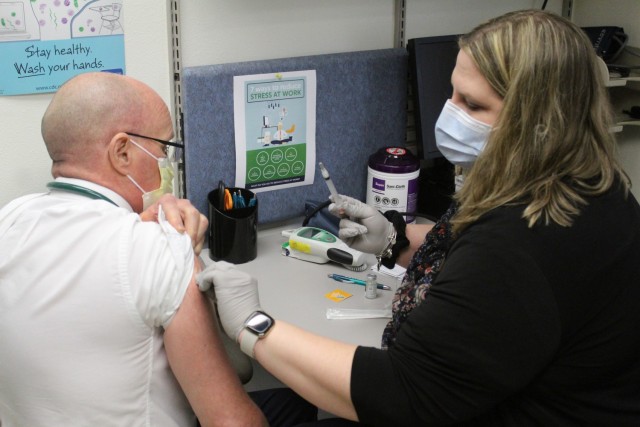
(233, 233)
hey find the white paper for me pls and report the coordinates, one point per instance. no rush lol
(355, 313)
(275, 128)
(397, 271)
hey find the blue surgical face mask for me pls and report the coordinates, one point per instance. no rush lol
(459, 137)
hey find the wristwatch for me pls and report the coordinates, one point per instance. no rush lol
(256, 326)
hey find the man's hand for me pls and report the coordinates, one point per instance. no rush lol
(182, 216)
(365, 229)
(236, 294)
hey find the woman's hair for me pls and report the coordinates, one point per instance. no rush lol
(551, 145)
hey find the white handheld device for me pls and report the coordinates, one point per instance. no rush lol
(319, 246)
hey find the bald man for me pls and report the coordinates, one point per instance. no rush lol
(101, 322)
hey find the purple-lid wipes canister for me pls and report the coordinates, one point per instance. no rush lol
(392, 180)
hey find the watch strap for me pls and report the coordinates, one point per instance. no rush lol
(399, 241)
(248, 342)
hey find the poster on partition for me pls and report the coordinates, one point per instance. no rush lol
(43, 43)
(275, 128)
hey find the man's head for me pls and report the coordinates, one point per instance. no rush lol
(85, 131)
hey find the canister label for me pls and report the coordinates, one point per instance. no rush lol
(397, 192)
(392, 181)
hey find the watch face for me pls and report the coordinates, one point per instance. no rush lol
(259, 323)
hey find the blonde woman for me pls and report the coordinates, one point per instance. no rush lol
(532, 319)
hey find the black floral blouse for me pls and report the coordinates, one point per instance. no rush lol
(421, 272)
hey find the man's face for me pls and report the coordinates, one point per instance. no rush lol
(147, 173)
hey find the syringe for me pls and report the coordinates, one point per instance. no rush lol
(329, 182)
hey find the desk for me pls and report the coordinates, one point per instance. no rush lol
(294, 291)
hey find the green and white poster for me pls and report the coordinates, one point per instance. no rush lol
(275, 122)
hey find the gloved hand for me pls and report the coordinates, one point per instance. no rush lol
(236, 294)
(366, 229)
(182, 216)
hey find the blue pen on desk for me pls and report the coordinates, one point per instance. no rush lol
(346, 279)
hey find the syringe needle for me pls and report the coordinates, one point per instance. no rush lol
(329, 182)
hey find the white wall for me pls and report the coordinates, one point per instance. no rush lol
(223, 31)
(438, 17)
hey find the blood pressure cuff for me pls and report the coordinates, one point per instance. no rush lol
(317, 215)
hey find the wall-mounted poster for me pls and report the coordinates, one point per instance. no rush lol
(275, 127)
(43, 43)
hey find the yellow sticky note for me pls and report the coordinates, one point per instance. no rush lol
(338, 295)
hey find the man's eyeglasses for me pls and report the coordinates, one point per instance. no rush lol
(161, 141)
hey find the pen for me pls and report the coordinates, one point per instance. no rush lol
(345, 279)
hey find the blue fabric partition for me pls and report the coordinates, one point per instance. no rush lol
(361, 106)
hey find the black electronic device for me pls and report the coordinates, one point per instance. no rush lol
(431, 61)
(608, 42)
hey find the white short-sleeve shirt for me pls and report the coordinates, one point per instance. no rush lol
(86, 289)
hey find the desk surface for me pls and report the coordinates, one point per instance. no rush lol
(294, 291)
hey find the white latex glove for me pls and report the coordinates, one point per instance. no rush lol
(236, 294)
(365, 229)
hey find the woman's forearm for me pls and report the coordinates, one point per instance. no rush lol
(416, 234)
(317, 368)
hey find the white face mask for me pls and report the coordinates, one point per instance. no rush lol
(459, 137)
(166, 180)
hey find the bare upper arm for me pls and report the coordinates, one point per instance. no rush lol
(199, 362)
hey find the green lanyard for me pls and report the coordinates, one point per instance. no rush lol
(72, 188)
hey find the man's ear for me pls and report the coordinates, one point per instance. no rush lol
(119, 153)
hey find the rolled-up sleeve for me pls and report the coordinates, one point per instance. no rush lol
(159, 265)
